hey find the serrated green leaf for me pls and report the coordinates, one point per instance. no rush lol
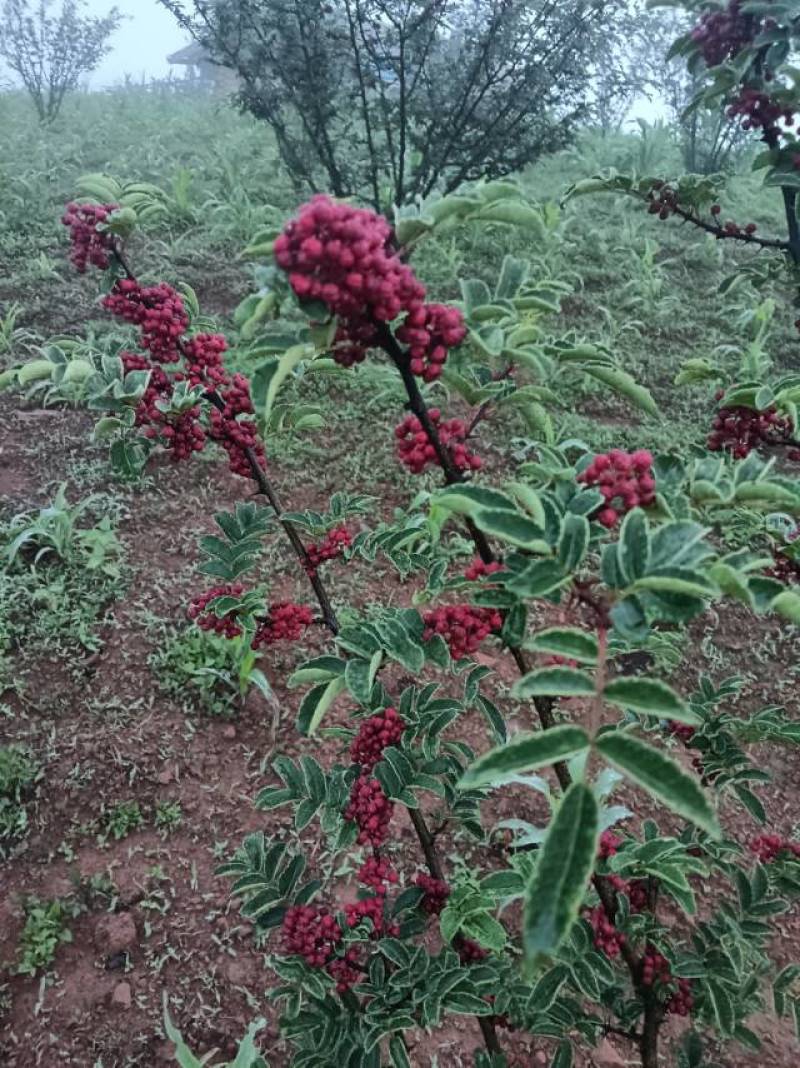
(566, 641)
(660, 776)
(651, 697)
(554, 682)
(556, 891)
(316, 704)
(525, 752)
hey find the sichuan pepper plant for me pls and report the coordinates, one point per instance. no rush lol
(740, 55)
(569, 931)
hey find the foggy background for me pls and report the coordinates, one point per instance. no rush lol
(141, 45)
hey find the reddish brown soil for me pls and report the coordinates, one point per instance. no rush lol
(105, 734)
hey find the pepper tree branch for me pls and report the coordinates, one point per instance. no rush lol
(265, 487)
(653, 1013)
(428, 845)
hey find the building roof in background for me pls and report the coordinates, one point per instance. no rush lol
(193, 53)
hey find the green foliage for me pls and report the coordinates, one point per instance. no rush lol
(19, 771)
(46, 928)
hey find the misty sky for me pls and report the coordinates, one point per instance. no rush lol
(142, 43)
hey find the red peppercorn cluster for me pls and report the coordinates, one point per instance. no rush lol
(625, 480)
(285, 622)
(203, 358)
(157, 310)
(344, 970)
(371, 908)
(437, 891)
(378, 874)
(470, 952)
(343, 256)
(310, 932)
(332, 545)
(638, 895)
(352, 341)
(609, 845)
(370, 809)
(769, 846)
(416, 451)
(682, 731)
(236, 435)
(430, 331)
(655, 968)
(374, 735)
(738, 430)
(607, 938)
(226, 625)
(759, 111)
(89, 245)
(682, 1001)
(462, 626)
(161, 316)
(478, 570)
(784, 568)
(663, 200)
(722, 34)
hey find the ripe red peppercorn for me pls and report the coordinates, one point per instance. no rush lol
(463, 627)
(285, 622)
(370, 809)
(226, 625)
(375, 734)
(90, 245)
(625, 480)
(416, 451)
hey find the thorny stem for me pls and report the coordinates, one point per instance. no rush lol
(653, 1014)
(266, 488)
(428, 845)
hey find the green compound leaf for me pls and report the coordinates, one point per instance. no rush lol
(524, 753)
(660, 776)
(556, 891)
(566, 641)
(651, 697)
(554, 682)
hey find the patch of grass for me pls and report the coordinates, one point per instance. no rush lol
(46, 928)
(198, 670)
(122, 819)
(19, 771)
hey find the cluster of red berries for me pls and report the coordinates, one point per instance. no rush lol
(759, 111)
(374, 735)
(227, 625)
(784, 568)
(416, 450)
(160, 314)
(430, 331)
(470, 952)
(158, 311)
(682, 731)
(437, 891)
(738, 430)
(625, 480)
(342, 256)
(462, 626)
(344, 970)
(478, 569)
(370, 809)
(378, 874)
(722, 34)
(663, 200)
(769, 846)
(285, 622)
(655, 968)
(607, 937)
(310, 932)
(609, 845)
(352, 340)
(371, 908)
(730, 227)
(203, 359)
(89, 244)
(332, 545)
(682, 1001)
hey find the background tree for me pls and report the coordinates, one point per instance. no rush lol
(390, 99)
(49, 52)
